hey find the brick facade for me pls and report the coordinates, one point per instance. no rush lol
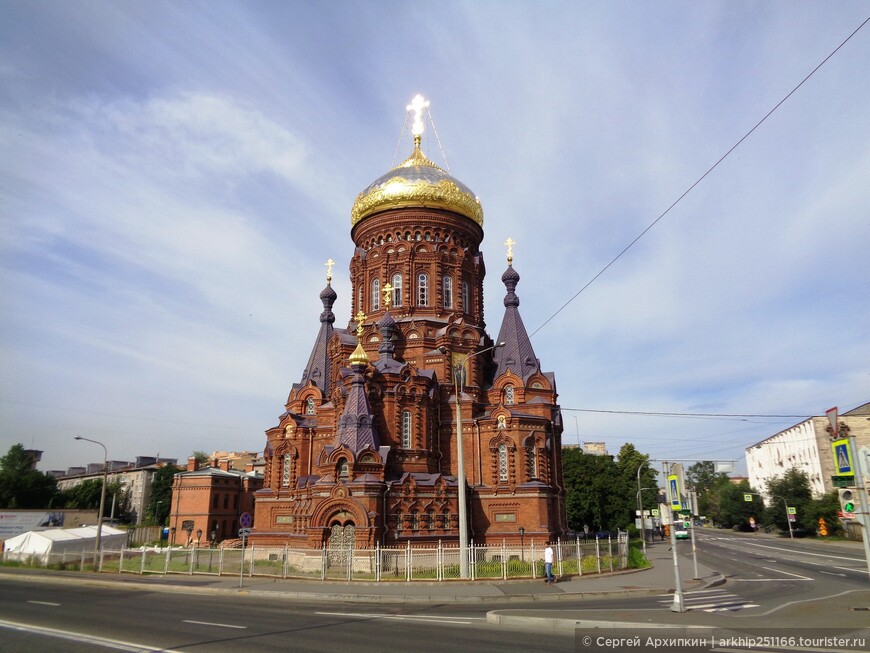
(367, 445)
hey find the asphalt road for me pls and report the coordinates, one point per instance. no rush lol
(781, 582)
(74, 618)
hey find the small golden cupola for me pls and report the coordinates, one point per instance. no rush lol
(359, 356)
(417, 182)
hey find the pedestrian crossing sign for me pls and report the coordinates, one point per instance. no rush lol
(843, 458)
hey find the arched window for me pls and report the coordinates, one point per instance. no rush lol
(447, 284)
(309, 406)
(406, 429)
(397, 289)
(376, 294)
(285, 481)
(466, 305)
(502, 463)
(422, 289)
(343, 468)
(532, 458)
(509, 395)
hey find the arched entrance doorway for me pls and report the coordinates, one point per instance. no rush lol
(342, 536)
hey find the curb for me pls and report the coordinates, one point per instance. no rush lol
(555, 623)
(342, 596)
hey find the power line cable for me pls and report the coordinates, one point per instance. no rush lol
(655, 414)
(699, 180)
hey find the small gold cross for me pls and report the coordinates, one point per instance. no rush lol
(388, 295)
(360, 318)
(329, 264)
(510, 242)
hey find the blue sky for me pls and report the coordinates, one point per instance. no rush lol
(174, 175)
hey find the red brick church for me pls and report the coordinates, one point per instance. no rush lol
(366, 449)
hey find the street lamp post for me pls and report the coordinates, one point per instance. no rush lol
(640, 507)
(522, 552)
(642, 528)
(98, 541)
(460, 460)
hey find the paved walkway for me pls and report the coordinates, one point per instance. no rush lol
(657, 580)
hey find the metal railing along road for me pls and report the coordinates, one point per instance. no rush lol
(402, 563)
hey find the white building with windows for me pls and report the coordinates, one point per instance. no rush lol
(805, 446)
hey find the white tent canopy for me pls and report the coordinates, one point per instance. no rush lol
(59, 541)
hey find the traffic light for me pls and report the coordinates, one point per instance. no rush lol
(847, 501)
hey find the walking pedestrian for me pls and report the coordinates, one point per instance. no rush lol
(548, 564)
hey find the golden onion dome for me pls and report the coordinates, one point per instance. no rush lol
(359, 356)
(417, 182)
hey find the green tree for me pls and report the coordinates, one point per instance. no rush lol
(588, 484)
(794, 488)
(825, 507)
(703, 479)
(158, 508)
(629, 462)
(21, 486)
(732, 509)
(84, 496)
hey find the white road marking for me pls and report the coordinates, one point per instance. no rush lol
(763, 580)
(831, 573)
(105, 642)
(54, 605)
(780, 571)
(209, 623)
(802, 553)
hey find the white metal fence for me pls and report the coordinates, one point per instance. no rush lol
(403, 563)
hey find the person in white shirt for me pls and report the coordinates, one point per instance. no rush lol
(548, 564)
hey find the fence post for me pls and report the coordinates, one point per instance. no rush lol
(121, 561)
(192, 554)
(598, 553)
(610, 550)
(503, 560)
(286, 566)
(142, 566)
(439, 562)
(166, 563)
(82, 563)
(100, 569)
(251, 565)
(579, 558)
(323, 561)
(408, 561)
(472, 563)
(534, 560)
(559, 553)
(351, 549)
(377, 562)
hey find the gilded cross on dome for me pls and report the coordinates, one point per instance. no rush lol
(510, 242)
(360, 318)
(329, 265)
(417, 105)
(388, 295)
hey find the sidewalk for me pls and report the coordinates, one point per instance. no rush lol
(658, 579)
